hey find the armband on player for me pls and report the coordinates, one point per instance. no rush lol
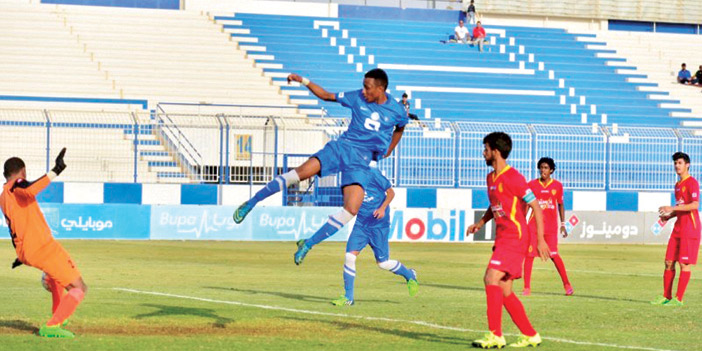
(562, 224)
(305, 81)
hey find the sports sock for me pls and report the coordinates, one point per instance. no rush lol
(57, 292)
(278, 183)
(494, 308)
(516, 310)
(334, 223)
(349, 274)
(682, 284)
(668, 277)
(397, 267)
(528, 265)
(66, 307)
(560, 267)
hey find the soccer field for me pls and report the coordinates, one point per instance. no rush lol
(174, 295)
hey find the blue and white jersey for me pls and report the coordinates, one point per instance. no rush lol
(371, 124)
(376, 187)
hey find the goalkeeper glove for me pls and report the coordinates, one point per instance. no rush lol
(60, 165)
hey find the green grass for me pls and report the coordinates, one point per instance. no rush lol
(613, 285)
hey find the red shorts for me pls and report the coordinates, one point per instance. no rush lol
(508, 261)
(551, 241)
(683, 250)
(56, 263)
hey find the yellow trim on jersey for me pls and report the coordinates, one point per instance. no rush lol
(545, 186)
(512, 214)
(682, 180)
(494, 177)
(694, 224)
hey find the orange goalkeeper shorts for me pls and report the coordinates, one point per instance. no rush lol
(55, 261)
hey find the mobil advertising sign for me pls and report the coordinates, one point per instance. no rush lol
(430, 225)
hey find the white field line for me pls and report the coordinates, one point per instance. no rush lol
(617, 273)
(343, 315)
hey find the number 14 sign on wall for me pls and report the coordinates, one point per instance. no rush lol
(243, 146)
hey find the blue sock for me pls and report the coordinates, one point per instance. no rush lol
(400, 269)
(328, 229)
(271, 188)
(349, 278)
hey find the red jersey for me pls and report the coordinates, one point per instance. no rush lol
(478, 32)
(688, 222)
(508, 192)
(550, 195)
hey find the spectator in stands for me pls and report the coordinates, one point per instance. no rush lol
(478, 36)
(406, 104)
(698, 77)
(470, 13)
(460, 33)
(684, 76)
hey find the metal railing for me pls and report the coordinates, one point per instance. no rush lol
(251, 150)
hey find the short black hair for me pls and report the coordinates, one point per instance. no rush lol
(499, 141)
(548, 161)
(12, 166)
(404, 95)
(379, 75)
(678, 155)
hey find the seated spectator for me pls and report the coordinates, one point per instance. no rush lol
(461, 33)
(684, 76)
(405, 103)
(478, 36)
(698, 77)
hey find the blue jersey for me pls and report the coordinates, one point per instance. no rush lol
(376, 187)
(371, 124)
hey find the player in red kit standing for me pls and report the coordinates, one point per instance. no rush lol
(549, 192)
(684, 243)
(509, 196)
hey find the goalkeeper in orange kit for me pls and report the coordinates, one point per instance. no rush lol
(35, 246)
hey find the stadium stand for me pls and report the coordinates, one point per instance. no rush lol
(558, 93)
(122, 53)
(659, 56)
(533, 75)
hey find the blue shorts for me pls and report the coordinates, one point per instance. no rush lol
(377, 238)
(352, 162)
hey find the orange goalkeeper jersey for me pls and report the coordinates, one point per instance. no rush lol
(28, 228)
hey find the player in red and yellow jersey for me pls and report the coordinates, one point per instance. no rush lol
(509, 196)
(549, 192)
(34, 244)
(684, 243)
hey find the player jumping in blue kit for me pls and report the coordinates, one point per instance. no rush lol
(377, 123)
(373, 228)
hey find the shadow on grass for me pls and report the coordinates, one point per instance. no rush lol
(429, 337)
(163, 311)
(292, 296)
(575, 296)
(19, 325)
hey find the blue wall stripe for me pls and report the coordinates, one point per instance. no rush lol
(143, 103)
(52, 193)
(151, 4)
(122, 193)
(568, 200)
(480, 199)
(421, 198)
(198, 194)
(622, 201)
